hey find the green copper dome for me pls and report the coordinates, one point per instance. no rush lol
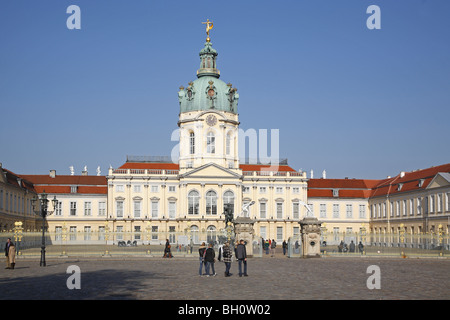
(208, 91)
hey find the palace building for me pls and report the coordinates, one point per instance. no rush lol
(192, 194)
(151, 199)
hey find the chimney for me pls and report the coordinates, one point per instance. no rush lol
(52, 173)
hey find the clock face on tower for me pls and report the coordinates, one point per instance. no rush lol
(211, 120)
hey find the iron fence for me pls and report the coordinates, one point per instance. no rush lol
(152, 244)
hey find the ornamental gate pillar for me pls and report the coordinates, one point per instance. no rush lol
(310, 231)
(243, 230)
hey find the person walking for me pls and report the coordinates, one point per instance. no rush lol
(167, 252)
(201, 253)
(226, 256)
(10, 254)
(210, 259)
(241, 256)
(285, 245)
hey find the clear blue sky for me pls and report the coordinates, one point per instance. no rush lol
(357, 102)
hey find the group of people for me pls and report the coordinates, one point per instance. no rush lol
(271, 245)
(207, 258)
(343, 247)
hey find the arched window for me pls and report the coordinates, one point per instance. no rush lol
(210, 143)
(193, 202)
(228, 200)
(191, 142)
(211, 203)
(194, 234)
(211, 234)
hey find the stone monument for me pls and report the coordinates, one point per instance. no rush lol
(243, 230)
(310, 231)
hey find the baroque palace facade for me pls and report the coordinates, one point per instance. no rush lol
(165, 200)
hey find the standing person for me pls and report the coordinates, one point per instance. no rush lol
(285, 245)
(273, 245)
(201, 253)
(266, 246)
(10, 254)
(352, 246)
(209, 259)
(241, 256)
(226, 256)
(167, 253)
(361, 247)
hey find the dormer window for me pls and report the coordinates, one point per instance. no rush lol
(73, 189)
(335, 193)
(421, 181)
(400, 186)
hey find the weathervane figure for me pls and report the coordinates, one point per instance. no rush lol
(209, 26)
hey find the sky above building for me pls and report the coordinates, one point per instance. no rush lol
(357, 102)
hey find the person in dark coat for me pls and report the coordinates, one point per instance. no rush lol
(210, 259)
(226, 257)
(167, 252)
(285, 246)
(10, 254)
(241, 256)
(201, 257)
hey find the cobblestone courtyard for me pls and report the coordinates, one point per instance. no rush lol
(269, 279)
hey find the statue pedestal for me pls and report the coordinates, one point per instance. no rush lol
(243, 230)
(310, 231)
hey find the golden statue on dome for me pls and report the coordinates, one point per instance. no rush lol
(209, 26)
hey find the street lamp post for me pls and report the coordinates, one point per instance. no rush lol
(41, 209)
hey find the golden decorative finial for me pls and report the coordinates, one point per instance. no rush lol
(209, 26)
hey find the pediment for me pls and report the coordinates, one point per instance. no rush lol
(211, 170)
(442, 179)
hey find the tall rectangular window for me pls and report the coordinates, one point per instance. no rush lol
(262, 210)
(172, 209)
(362, 211)
(87, 233)
(419, 206)
(73, 208)
(87, 208)
(349, 211)
(323, 210)
(279, 234)
(119, 209)
(192, 143)
(262, 232)
(137, 209)
(335, 210)
(155, 209)
(279, 210)
(58, 209)
(102, 208)
(432, 203)
(296, 210)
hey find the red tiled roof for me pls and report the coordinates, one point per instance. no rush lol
(343, 183)
(410, 181)
(65, 179)
(14, 179)
(67, 189)
(361, 188)
(63, 184)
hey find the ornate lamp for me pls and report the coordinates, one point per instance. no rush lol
(41, 209)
